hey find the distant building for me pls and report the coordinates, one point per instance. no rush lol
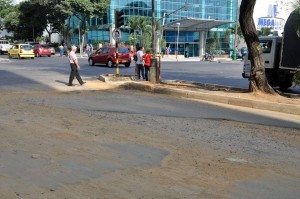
(201, 16)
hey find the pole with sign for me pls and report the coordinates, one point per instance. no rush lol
(116, 34)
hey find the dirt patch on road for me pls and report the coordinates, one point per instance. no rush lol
(279, 97)
(53, 152)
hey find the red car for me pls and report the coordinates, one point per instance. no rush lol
(41, 49)
(107, 55)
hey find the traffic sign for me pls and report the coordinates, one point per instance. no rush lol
(116, 34)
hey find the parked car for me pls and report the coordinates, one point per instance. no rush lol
(106, 55)
(4, 46)
(41, 49)
(52, 48)
(21, 51)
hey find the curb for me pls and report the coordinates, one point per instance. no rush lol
(263, 105)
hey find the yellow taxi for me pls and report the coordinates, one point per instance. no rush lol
(21, 51)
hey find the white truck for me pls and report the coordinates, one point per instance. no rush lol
(281, 55)
(4, 46)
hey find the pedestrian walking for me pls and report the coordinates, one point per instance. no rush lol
(91, 49)
(74, 67)
(140, 63)
(65, 50)
(147, 59)
(186, 52)
(61, 50)
(167, 51)
(88, 50)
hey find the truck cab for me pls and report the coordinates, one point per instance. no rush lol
(276, 74)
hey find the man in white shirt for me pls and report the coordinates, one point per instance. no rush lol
(140, 63)
(74, 67)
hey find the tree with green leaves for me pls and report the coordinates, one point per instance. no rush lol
(21, 22)
(296, 7)
(212, 41)
(5, 8)
(141, 31)
(238, 33)
(83, 10)
(54, 16)
(265, 31)
(227, 39)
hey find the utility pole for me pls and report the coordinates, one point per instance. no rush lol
(119, 21)
(153, 69)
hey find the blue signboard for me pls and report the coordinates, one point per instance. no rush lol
(268, 22)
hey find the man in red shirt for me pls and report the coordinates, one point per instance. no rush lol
(147, 58)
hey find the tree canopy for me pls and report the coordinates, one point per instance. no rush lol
(5, 8)
(49, 15)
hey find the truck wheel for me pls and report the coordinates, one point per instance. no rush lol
(1, 52)
(270, 78)
(288, 82)
(127, 65)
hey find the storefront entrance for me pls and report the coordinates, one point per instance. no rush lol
(186, 49)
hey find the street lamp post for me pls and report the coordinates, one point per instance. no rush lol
(178, 24)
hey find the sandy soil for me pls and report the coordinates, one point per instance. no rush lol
(279, 97)
(51, 152)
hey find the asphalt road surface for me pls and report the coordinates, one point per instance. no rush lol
(227, 73)
(126, 144)
(41, 74)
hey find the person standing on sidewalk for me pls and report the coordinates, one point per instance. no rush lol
(167, 51)
(65, 49)
(74, 67)
(140, 62)
(147, 58)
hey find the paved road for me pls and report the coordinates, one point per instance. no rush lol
(228, 74)
(43, 74)
(261, 147)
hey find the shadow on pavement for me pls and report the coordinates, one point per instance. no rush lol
(13, 82)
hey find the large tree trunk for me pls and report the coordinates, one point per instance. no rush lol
(258, 80)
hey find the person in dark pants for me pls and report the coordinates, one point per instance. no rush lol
(147, 58)
(74, 67)
(140, 63)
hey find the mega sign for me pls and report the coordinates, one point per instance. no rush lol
(268, 22)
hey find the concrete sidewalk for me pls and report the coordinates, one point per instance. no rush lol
(172, 58)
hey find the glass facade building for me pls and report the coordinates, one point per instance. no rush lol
(100, 28)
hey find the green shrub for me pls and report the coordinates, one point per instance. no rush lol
(296, 78)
